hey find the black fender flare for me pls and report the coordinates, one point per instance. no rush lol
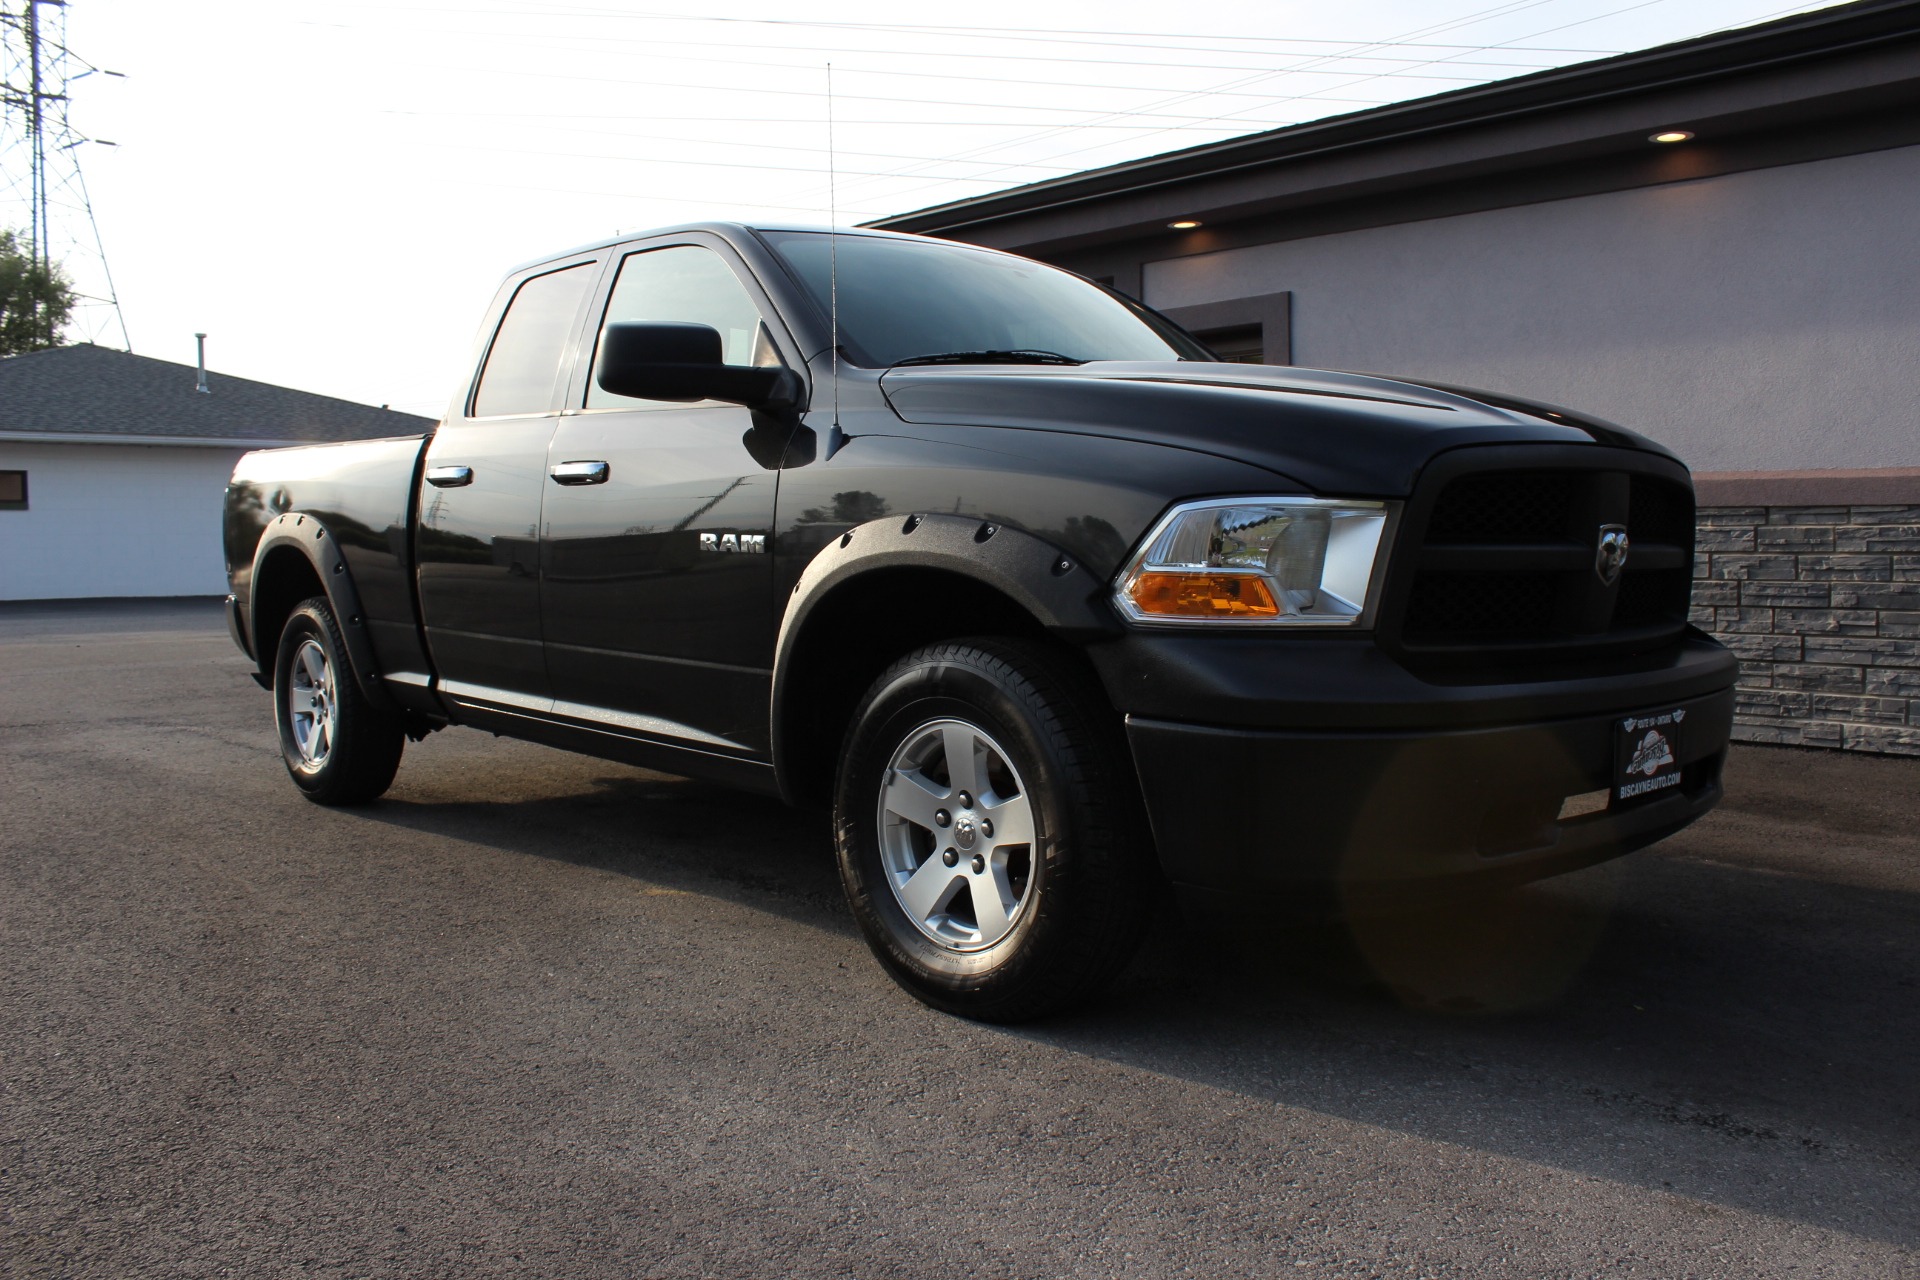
(307, 534)
(1061, 594)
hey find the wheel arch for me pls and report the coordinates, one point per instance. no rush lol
(891, 585)
(298, 558)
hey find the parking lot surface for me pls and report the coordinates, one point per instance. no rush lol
(539, 1015)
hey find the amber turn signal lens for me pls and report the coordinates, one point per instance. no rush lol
(1202, 595)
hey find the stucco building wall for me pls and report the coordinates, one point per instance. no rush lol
(1763, 320)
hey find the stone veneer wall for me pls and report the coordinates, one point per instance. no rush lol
(1821, 601)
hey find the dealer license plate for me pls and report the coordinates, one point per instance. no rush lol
(1646, 754)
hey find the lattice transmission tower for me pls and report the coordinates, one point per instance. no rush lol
(43, 196)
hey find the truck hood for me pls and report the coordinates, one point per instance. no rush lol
(1346, 433)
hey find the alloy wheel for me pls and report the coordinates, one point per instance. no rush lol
(313, 711)
(956, 829)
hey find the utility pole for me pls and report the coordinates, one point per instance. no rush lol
(31, 99)
(35, 135)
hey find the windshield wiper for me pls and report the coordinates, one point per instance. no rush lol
(1024, 356)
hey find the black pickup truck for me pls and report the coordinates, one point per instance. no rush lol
(1064, 617)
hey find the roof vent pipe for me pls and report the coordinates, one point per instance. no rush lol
(201, 385)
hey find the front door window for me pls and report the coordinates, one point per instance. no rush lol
(685, 284)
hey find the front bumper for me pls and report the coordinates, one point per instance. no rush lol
(1387, 785)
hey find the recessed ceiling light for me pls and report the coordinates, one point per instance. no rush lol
(1188, 224)
(1672, 135)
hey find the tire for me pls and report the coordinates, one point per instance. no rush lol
(970, 918)
(339, 748)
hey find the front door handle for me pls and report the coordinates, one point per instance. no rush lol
(449, 477)
(579, 473)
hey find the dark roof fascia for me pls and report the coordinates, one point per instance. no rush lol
(1809, 38)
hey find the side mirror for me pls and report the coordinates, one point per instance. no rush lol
(670, 361)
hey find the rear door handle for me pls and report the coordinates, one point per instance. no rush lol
(579, 473)
(449, 477)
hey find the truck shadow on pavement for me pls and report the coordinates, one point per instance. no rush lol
(1696, 1019)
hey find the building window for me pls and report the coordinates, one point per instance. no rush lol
(13, 491)
(1253, 330)
(1242, 344)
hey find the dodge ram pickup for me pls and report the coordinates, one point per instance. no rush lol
(1062, 617)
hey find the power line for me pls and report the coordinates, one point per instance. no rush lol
(1316, 96)
(805, 93)
(755, 146)
(1074, 59)
(891, 122)
(974, 31)
(1151, 119)
(1230, 89)
(1056, 82)
(1769, 17)
(755, 166)
(680, 198)
(1500, 10)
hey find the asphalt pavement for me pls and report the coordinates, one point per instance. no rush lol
(539, 1015)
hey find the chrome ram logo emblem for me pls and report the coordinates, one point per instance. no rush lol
(1610, 555)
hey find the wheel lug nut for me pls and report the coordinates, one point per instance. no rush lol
(986, 827)
(950, 857)
(941, 818)
(966, 801)
(979, 864)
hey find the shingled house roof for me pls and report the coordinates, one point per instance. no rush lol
(88, 393)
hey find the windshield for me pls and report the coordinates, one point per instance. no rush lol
(902, 299)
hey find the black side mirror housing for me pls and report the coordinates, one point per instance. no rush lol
(670, 361)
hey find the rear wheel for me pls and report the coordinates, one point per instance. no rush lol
(990, 837)
(339, 748)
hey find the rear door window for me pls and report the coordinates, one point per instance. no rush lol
(524, 361)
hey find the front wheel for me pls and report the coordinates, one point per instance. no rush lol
(339, 747)
(990, 836)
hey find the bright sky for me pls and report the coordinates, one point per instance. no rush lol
(332, 192)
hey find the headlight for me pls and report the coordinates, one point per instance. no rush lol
(1257, 562)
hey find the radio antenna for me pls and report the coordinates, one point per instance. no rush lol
(833, 253)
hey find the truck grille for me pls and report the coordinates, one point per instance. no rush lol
(1655, 596)
(1504, 564)
(1465, 604)
(1517, 506)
